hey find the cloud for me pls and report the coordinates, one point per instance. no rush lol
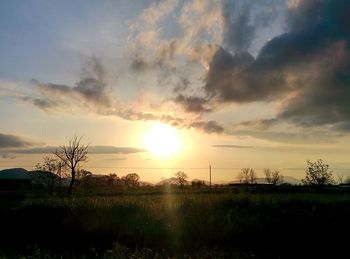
(238, 30)
(201, 26)
(92, 150)
(139, 64)
(208, 126)
(116, 159)
(306, 69)
(243, 19)
(261, 124)
(45, 104)
(91, 89)
(156, 11)
(190, 21)
(114, 150)
(237, 78)
(7, 156)
(231, 146)
(193, 103)
(12, 141)
(297, 137)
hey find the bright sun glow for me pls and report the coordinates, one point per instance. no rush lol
(162, 140)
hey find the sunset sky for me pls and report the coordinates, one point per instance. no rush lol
(160, 86)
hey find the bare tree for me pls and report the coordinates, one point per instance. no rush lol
(247, 176)
(318, 174)
(181, 178)
(340, 178)
(72, 156)
(273, 176)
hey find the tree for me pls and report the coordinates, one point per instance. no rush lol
(131, 180)
(318, 174)
(340, 178)
(72, 156)
(112, 179)
(181, 178)
(247, 176)
(49, 171)
(82, 174)
(273, 176)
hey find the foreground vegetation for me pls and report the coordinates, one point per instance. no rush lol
(177, 223)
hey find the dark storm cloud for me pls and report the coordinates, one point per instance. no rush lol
(238, 78)
(243, 19)
(238, 29)
(308, 67)
(12, 141)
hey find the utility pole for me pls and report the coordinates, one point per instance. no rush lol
(210, 176)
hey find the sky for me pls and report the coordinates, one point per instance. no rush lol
(155, 87)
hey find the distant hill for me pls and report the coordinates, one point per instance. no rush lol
(15, 173)
(291, 180)
(142, 183)
(171, 180)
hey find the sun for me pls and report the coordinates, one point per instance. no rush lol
(162, 140)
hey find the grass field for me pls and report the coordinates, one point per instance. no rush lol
(199, 224)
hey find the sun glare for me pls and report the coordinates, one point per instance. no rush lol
(162, 140)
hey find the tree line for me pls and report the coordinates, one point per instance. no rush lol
(66, 163)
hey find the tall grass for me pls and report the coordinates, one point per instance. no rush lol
(176, 224)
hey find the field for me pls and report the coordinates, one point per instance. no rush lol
(159, 223)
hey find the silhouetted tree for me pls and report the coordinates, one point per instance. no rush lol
(84, 179)
(181, 178)
(273, 176)
(247, 176)
(72, 156)
(112, 179)
(318, 174)
(131, 180)
(49, 171)
(83, 174)
(340, 178)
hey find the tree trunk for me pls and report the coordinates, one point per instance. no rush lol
(70, 188)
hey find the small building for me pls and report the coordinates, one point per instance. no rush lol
(15, 179)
